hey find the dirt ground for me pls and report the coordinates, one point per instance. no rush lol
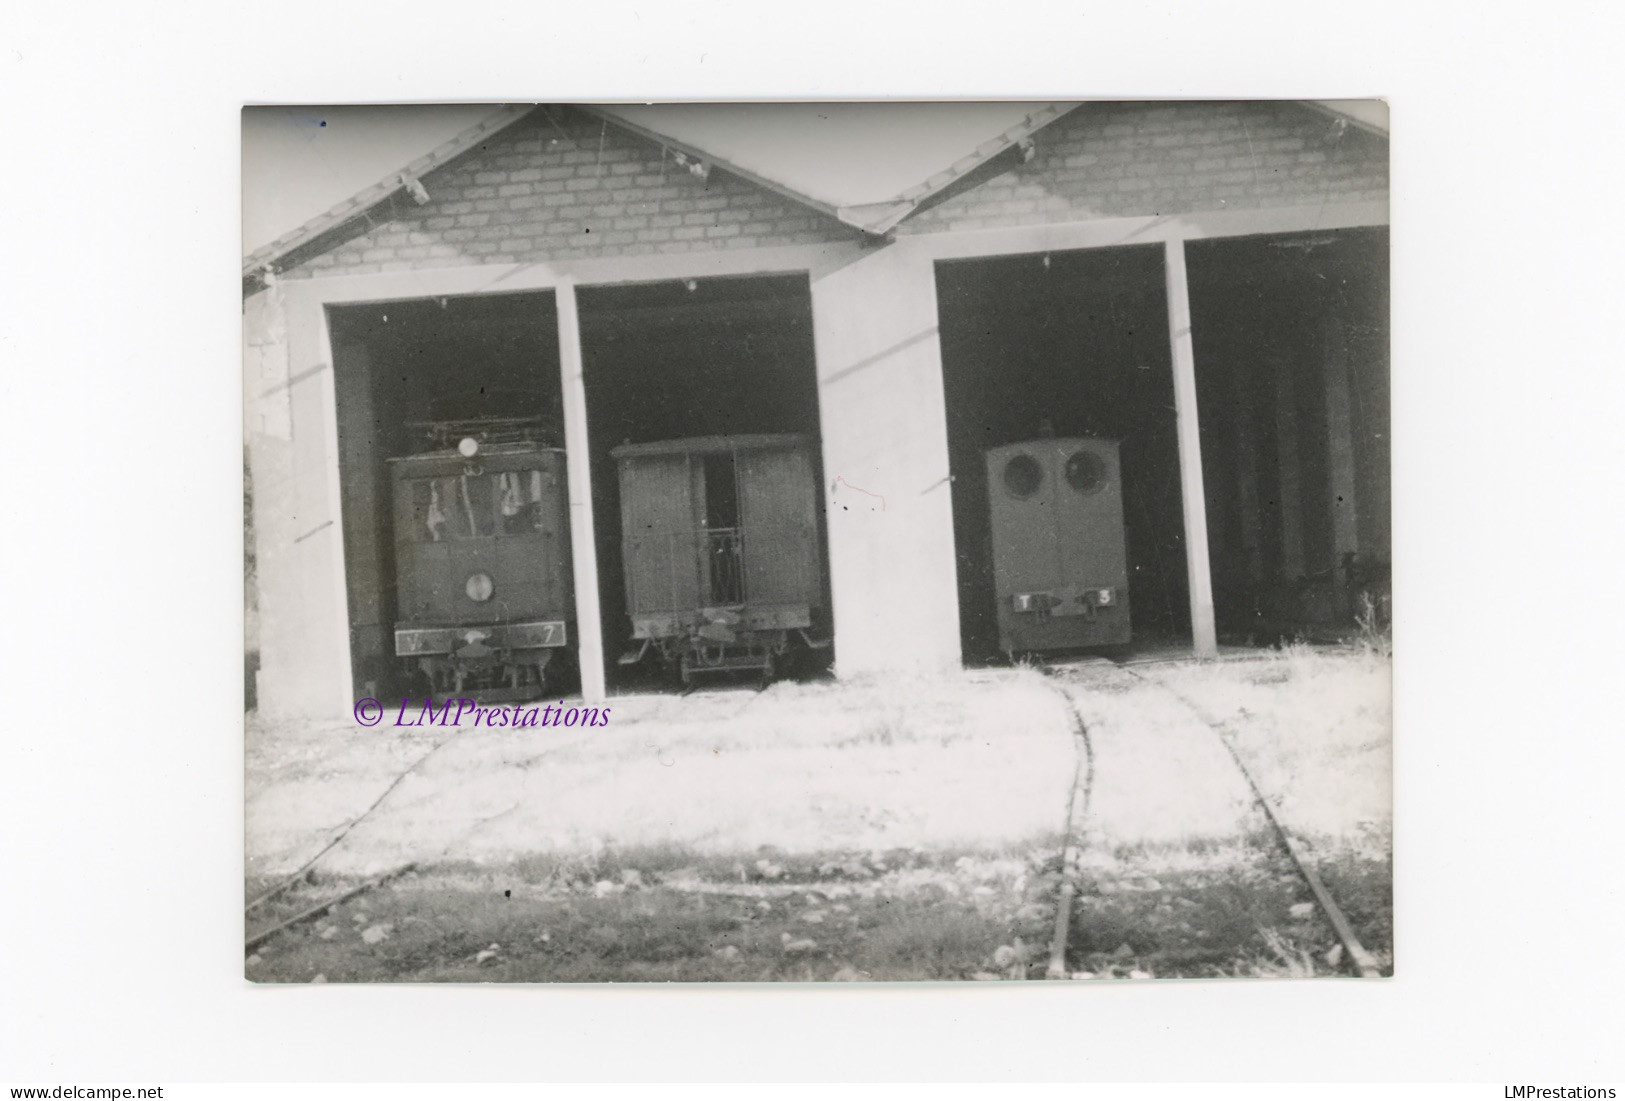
(906, 830)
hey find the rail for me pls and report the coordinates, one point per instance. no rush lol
(1360, 961)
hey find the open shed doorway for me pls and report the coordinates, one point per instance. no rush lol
(1065, 344)
(681, 359)
(1291, 341)
(396, 366)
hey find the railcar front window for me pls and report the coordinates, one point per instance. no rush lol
(519, 501)
(478, 506)
(446, 509)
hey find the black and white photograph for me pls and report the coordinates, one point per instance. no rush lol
(730, 548)
(910, 541)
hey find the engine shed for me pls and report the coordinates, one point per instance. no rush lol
(1202, 283)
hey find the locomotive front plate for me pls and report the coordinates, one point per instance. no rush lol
(411, 642)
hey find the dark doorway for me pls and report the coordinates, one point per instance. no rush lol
(721, 491)
(1064, 344)
(1291, 343)
(685, 358)
(398, 364)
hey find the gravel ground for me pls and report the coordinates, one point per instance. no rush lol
(976, 761)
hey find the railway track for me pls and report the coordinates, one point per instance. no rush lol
(1077, 832)
(1077, 817)
(1354, 955)
(259, 904)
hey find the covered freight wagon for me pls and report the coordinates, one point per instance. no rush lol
(721, 552)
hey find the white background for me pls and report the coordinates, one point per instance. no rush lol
(120, 506)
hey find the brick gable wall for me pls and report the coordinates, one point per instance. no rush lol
(560, 184)
(1111, 160)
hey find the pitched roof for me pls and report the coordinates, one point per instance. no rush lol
(398, 179)
(868, 165)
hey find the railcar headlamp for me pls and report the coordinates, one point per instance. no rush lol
(1022, 476)
(469, 447)
(479, 587)
(1085, 472)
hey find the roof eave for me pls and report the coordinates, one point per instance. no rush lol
(1360, 120)
(876, 219)
(881, 218)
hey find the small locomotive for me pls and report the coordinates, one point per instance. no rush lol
(720, 546)
(482, 557)
(1060, 560)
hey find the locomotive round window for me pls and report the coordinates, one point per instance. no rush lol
(1085, 472)
(1023, 476)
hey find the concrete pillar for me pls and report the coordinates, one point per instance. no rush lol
(269, 435)
(304, 613)
(1198, 569)
(885, 454)
(583, 544)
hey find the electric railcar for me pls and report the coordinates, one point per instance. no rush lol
(1060, 559)
(482, 558)
(721, 552)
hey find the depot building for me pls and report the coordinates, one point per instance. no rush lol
(909, 286)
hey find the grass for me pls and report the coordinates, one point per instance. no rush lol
(1219, 911)
(665, 916)
(657, 916)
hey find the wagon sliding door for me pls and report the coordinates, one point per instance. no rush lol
(657, 534)
(776, 514)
